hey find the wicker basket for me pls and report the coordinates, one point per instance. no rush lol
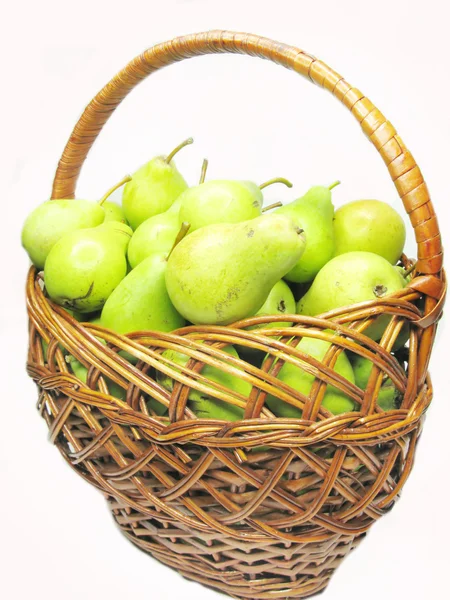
(265, 507)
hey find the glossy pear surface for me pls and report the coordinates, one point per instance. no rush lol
(351, 278)
(204, 405)
(222, 273)
(220, 201)
(388, 394)
(113, 212)
(334, 399)
(140, 302)
(370, 226)
(85, 266)
(280, 301)
(53, 219)
(155, 235)
(313, 212)
(152, 190)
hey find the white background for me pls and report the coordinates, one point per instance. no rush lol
(253, 120)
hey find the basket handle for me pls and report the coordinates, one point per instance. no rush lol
(401, 165)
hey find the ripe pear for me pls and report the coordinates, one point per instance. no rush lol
(155, 235)
(223, 201)
(206, 406)
(222, 273)
(351, 278)
(313, 212)
(113, 212)
(80, 371)
(280, 301)
(140, 302)
(50, 221)
(388, 394)
(334, 399)
(370, 226)
(153, 188)
(85, 266)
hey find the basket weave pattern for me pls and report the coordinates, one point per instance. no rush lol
(265, 507)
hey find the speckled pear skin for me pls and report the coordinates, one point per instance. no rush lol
(204, 405)
(334, 399)
(50, 221)
(351, 278)
(220, 201)
(140, 302)
(314, 213)
(85, 266)
(152, 190)
(222, 273)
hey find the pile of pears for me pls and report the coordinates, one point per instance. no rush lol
(173, 255)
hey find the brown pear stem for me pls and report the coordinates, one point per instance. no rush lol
(181, 234)
(122, 182)
(282, 180)
(333, 185)
(178, 148)
(274, 205)
(203, 172)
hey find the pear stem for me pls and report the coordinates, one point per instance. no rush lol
(274, 205)
(126, 179)
(409, 270)
(282, 180)
(181, 234)
(333, 185)
(178, 148)
(203, 172)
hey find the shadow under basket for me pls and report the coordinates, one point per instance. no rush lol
(265, 507)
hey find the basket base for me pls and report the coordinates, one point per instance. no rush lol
(297, 572)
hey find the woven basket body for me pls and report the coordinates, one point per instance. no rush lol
(264, 507)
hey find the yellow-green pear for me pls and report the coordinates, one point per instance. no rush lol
(223, 201)
(222, 273)
(280, 301)
(153, 188)
(351, 278)
(80, 371)
(388, 396)
(155, 235)
(370, 226)
(85, 266)
(313, 212)
(204, 405)
(334, 399)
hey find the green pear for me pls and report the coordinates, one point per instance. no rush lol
(313, 212)
(334, 399)
(351, 278)
(206, 406)
(153, 188)
(155, 235)
(50, 221)
(85, 266)
(80, 371)
(140, 302)
(223, 201)
(113, 212)
(369, 226)
(388, 394)
(280, 301)
(224, 272)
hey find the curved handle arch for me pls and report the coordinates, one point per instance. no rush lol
(401, 165)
